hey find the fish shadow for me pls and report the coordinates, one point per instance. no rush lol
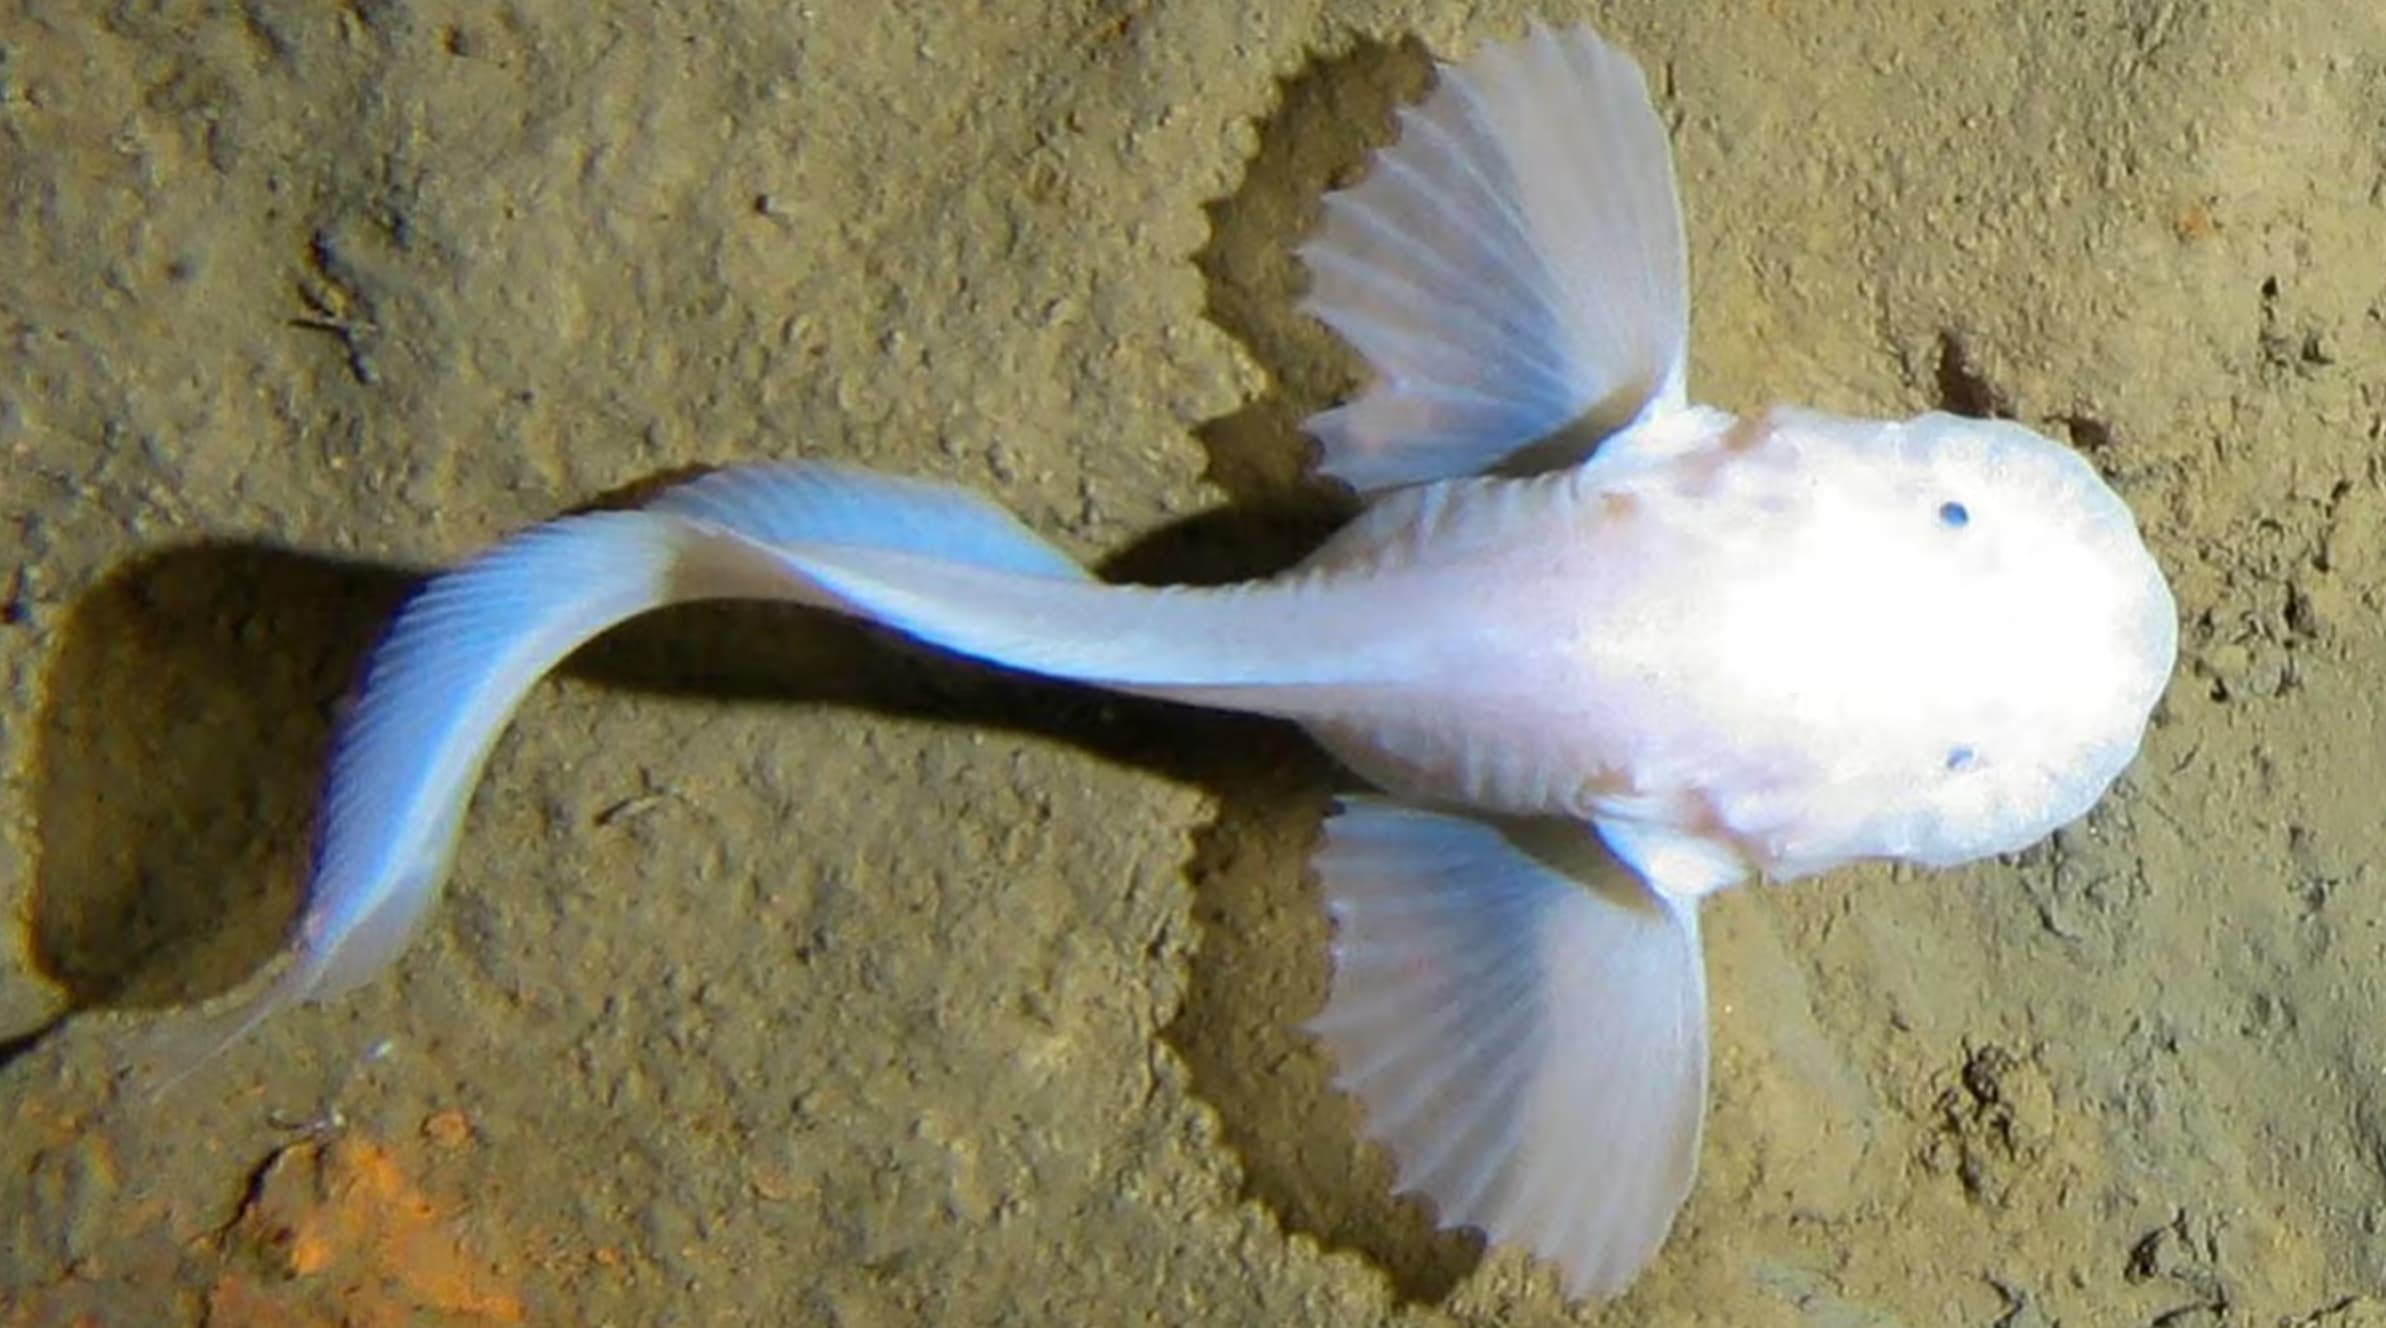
(189, 707)
(184, 728)
(179, 756)
(1262, 967)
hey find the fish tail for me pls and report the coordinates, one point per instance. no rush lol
(936, 562)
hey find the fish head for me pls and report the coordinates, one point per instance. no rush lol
(1969, 634)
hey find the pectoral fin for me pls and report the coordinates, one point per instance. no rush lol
(1674, 862)
(1513, 270)
(1525, 1026)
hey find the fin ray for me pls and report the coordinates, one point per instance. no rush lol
(458, 658)
(1521, 242)
(1524, 1024)
(932, 561)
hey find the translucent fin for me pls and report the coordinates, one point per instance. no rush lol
(958, 573)
(816, 503)
(1512, 269)
(457, 660)
(1525, 1026)
(436, 692)
(163, 1054)
(925, 559)
(1672, 861)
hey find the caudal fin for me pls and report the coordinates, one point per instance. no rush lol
(1525, 1026)
(1512, 269)
(449, 671)
(458, 658)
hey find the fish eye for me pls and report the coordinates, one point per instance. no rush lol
(1954, 515)
(1960, 758)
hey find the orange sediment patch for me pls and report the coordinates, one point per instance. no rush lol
(338, 1234)
(448, 1129)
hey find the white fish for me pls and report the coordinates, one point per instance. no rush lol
(1576, 605)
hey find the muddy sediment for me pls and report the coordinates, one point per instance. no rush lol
(792, 974)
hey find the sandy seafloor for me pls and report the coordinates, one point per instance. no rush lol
(792, 975)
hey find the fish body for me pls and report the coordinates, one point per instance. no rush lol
(1811, 639)
(1602, 651)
